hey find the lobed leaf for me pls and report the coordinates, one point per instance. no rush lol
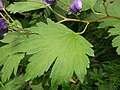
(50, 44)
(10, 65)
(116, 41)
(62, 46)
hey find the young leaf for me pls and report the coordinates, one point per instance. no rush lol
(25, 6)
(64, 47)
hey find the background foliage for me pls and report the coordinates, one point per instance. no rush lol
(49, 48)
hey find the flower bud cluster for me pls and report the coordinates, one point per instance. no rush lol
(49, 2)
(75, 7)
(3, 25)
(1, 5)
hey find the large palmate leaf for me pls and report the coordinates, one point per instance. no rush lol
(25, 6)
(51, 44)
(60, 45)
(116, 40)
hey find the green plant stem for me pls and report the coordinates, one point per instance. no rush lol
(102, 18)
(7, 14)
(69, 3)
(56, 12)
(77, 16)
(105, 6)
(84, 21)
(90, 21)
(84, 29)
(4, 17)
(97, 13)
(78, 20)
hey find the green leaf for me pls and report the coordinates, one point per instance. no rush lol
(10, 65)
(64, 47)
(116, 40)
(14, 84)
(37, 87)
(115, 31)
(14, 46)
(99, 6)
(88, 4)
(25, 6)
(108, 22)
(51, 43)
(113, 8)
(60, 11)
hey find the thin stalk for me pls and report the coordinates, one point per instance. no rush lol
(73, 20)
(7, 14)
(56, 12)
(90, 21)
(4, 17)
(97, 13)
(105, 6)
(68, 2)
(84, 29)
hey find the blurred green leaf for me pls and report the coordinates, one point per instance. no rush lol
(25, 6)
(14, 84)
(37, 87)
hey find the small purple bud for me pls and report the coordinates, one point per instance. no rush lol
(1, 5)
(49, 2)
(76, 6)
(3, 27)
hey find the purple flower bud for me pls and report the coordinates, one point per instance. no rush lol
(3, 27)
(76, 6)
(1, 5)
(49, 2)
